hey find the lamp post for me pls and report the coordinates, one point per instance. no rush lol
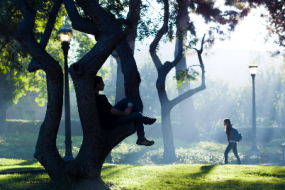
(65, 34)
(254, 149)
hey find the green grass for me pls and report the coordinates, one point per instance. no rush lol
(177, 176)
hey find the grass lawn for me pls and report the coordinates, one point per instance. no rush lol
(158, 176)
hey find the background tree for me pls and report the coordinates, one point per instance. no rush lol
(163, 70)
(179, 18)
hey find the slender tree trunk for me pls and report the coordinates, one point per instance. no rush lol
(188, 130)
(169, 149)
(3, 109)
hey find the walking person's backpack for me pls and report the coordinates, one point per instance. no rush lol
(237, 135)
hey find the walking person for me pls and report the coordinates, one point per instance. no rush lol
(232, 143)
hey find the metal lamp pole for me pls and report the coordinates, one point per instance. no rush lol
(65, 34)
(254, 149)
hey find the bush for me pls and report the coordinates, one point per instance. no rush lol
(33, 126)
(277, 142)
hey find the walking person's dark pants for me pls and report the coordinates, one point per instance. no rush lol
(135, 115)
(232, 145)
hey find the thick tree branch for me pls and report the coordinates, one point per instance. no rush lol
(101, 20)
(34, 66)
(191, 92)
(131, 75)
(118, 134)
(163, 30)
(108, 36)
(79, 23)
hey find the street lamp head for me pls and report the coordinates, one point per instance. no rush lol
(65, 34)
(253, 68)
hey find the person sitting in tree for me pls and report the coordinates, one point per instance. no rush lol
(110, 117)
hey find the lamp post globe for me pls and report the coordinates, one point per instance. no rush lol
(65, 34)
(254, 149)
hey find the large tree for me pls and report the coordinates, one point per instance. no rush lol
(97, 142)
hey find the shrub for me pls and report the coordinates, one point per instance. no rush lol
(277, 142)
(33, 126)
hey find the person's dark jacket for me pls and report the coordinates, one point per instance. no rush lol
(107, 120)
(230, 134)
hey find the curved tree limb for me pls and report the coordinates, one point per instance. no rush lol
(163, 30)
(46, 149)
(191, 92)
(25, 36)
(34, 66)
(108, 35)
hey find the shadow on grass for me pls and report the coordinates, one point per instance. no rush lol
(113, 169)
(204, 170)
(20, 169)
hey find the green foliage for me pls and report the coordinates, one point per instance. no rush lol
(84, 43)
(183, 76)
(277, 142)
(17, 84)
(11, 53)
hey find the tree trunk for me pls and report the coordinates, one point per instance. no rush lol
(187, 131)
(134, 12)
(98, 142)
(120, 88)
(3, 109)
(169, 149)
(85, 170)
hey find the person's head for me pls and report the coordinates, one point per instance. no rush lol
(99, 83)
(227, 122)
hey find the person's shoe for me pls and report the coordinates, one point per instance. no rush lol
(144, 142)
(148, 120)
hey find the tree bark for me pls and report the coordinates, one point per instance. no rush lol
(134, 12)
(187, 130)
(3, 109)
(167, 134)
(97, 142)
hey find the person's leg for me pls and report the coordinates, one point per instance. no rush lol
(131, 117)
(122, 104)
(228, 149)
(236, 152)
